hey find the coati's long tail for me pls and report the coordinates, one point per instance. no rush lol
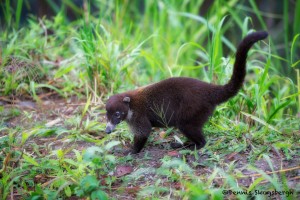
(239, 70)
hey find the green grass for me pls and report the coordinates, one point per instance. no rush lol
(114, 46)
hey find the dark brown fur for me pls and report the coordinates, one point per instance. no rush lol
(184, 103)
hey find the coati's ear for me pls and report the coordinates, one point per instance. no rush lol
(126, 99)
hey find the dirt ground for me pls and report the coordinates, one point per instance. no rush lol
(53, 112)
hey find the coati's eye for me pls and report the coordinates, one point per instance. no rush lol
(118, 114)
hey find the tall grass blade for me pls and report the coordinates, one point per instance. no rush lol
(279, 107)
(53, 6)
(296, 20)
(258, 14)
(261, 121)
(216, 53)
(286, 27)
(84, 111)
(298, 87)
(7, 13)
(60, 92)
(18, 13)
(293, 50)
(210, 27)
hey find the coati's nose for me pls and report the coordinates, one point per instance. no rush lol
(109, 127)
(108, 130)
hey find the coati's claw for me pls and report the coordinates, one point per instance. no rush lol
(176, 145)
(129, 152)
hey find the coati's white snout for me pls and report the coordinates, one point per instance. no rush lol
(110, 127)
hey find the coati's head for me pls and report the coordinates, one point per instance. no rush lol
(117, 108)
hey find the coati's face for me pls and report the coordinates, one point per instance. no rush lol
(117, 108)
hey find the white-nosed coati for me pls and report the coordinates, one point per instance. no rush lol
(184, 103)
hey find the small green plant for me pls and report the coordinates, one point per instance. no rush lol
(89, 186)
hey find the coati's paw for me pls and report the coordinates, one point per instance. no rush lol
(201, 145)
(176, 145)
(189, 145)
(129, 152)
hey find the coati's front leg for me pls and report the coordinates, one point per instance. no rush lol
(139, 142)
(141, 130)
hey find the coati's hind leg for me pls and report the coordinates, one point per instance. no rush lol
(193, 133)
(139, 142)
(141, 130)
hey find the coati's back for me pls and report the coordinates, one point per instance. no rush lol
(173, 100)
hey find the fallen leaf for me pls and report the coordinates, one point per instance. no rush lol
(53, 122)
(173, 153)
(176, 185)
(162, 134)
(123, 170)
(103, 179)
(231, 156)
(133, 190)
